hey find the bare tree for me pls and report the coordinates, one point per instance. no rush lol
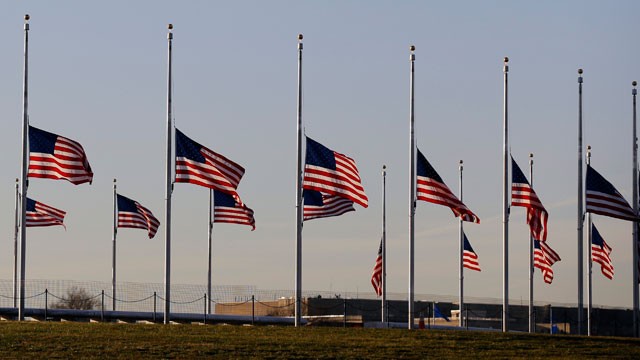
(77, 298)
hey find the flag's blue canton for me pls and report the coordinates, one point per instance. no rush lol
(126, 204)
(425, 169)
(188, 148)
(516, 174)
(41, 141)
(222, 199)
(467, 244)
(596, 238)
(603, 198)
(319, 155)
(597, 182)
(312, 197)
(31, 205)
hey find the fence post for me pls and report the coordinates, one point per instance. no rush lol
(253, 309)
(344, 317)
(466, 317)
(550, 319)
(154, 306)
(204, 313)
(102, 308)
(46, 303)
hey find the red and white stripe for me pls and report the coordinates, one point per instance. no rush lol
(143, 219)
(523, 195)
(344, 181)
(543, 259)
(332, 206)
(470, 260)
(217, 173)
(240, 214)
(68, 162)
(603, 257)
(433, 191)
(45, 215)
(376, 277)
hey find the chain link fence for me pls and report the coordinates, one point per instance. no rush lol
(249, 300)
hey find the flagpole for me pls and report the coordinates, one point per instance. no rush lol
(532, 323)
(636, 304)
(412, 186)
(384, 245)
(299, 205)
(113, 255)
(505, 207)
(209, 249)
(589, 261)
(461, 258)
(169, 188)
(15, 245)
(580, 211)
(24, 169)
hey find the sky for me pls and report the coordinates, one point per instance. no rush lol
(97, 74)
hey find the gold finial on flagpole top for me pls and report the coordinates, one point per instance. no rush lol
(506, 60)
(580, 71)
(26, 17)
(300, 37)
(17, 180)
(412, 48)
(170, 26)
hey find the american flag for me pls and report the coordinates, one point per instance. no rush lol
(431, 188)
(469, 257)
(55, 157)
(332, 173)
(133, 215)
(39, 214)
(318, 205)
(543, 258)
(198, 165)
(522, 194)
(230, 209)
(600, 252)
(376, 277)
(603, 198)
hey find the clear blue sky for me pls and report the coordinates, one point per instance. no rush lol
(98, 75)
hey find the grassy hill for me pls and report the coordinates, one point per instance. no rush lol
(97, 340)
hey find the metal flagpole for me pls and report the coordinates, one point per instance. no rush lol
(113, 255)
(168, 189)
(412, 186)
(209, 249)
(384, 312)
(299, 205)
(589, 262)
(532, 324)
(24, 169)
(580, 211)
(15, 246)
(634, 92)
(461, 259)
(505, 208)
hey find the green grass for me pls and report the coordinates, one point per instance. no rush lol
(83, 340)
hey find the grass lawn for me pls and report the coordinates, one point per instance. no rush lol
(85, 340)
